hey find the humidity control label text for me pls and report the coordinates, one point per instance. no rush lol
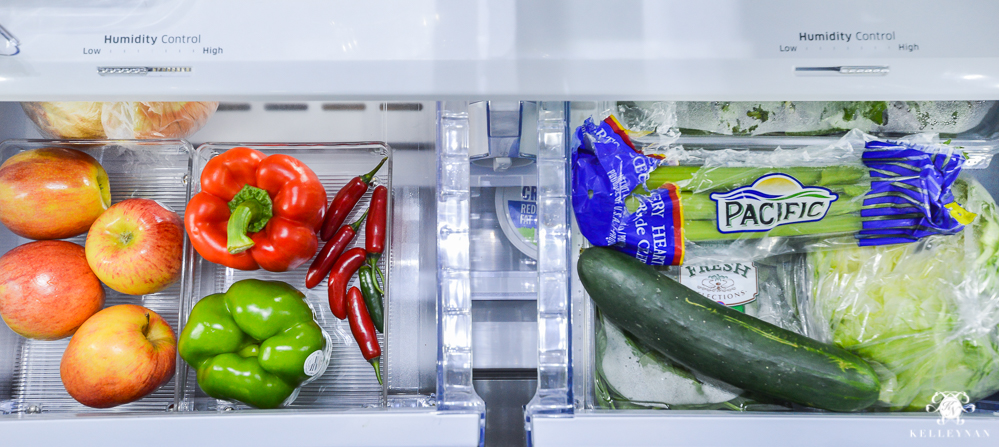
(887, 38)
(126, 43)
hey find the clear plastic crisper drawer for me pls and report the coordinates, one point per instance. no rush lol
(29, 369)
(426, 345)
(349, 381)
(454, 300)
(568, 408)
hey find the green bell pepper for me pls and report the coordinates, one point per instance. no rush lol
(256, 343)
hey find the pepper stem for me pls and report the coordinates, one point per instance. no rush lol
(238, 241)
(378, 369)
(251, 210)
(366, 178)
(372, 260)
(354, 226)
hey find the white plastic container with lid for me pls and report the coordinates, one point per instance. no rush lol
(517, 208)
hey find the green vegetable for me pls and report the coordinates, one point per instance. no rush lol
(707, 230)
(812, 117)
(780, 118)
(720, 342)
(701, 207)
(630, 375)
(759, 114)
(372, 297)
(701, 180)
(875, 111)
(928, 312)
(696, 184)
(255, 343)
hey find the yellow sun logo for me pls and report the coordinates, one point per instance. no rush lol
(778, 185)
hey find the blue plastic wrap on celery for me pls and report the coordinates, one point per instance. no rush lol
(605, 170)
(910, 196)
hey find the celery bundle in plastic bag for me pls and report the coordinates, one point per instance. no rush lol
(859, 190)
(926, 313)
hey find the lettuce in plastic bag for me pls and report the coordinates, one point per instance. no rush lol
(926, 313)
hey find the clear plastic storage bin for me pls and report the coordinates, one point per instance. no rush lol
(348, 381)
(425, 318)
(29, 369)
(566, 411)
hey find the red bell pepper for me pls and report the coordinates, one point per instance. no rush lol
(277, 199)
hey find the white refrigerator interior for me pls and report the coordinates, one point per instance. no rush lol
(490, 338)
(725, 50)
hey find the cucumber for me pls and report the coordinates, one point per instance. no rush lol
(723, 343)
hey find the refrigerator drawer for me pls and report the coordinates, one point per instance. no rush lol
(424, 401)
(573, 405)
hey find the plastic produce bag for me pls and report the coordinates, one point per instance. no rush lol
(630, 374)
(812, 117)
(859, 190)
(119, 120)
(927, 313)
(73, 120)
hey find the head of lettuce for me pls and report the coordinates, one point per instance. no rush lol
(926, 314)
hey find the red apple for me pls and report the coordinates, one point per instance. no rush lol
(120, 355)
(52, 193)
(136, 246)
(47, 289)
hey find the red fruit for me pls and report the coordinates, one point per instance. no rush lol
(47, 290)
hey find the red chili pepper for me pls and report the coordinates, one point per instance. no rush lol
(323, 263)
(374, 231)
(345, 200)
(363, 329)
(345, 267)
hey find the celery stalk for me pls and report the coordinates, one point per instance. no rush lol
(700, 212)
(706, 230)
(698, 178)
(701, 207)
